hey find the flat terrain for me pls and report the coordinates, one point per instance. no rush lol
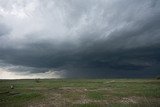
(80, 93)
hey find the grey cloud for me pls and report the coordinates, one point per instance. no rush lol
(4, 30)
(94, 38)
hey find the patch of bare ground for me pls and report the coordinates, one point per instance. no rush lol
(102, 89)
(88, 101)
(138, 100)
(127, 100)
(73, 89)
(51, 100)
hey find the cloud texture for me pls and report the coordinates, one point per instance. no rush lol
(79, 38)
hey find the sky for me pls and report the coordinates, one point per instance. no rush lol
(79, 39)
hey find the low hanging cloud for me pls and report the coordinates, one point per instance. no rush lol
(93, 38)
(27, 75)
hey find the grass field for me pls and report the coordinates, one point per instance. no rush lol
(80, 93)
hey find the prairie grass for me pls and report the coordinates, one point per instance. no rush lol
(80, 93)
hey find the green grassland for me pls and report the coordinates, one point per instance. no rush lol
(80, 93)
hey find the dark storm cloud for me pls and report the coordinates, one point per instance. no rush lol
(94, 38)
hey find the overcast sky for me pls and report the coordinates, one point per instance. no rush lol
(79, 38)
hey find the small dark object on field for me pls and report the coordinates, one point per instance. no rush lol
(37, 80)
(12, 86)
(158, 77)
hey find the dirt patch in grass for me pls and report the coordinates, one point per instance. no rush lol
(128, 100)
